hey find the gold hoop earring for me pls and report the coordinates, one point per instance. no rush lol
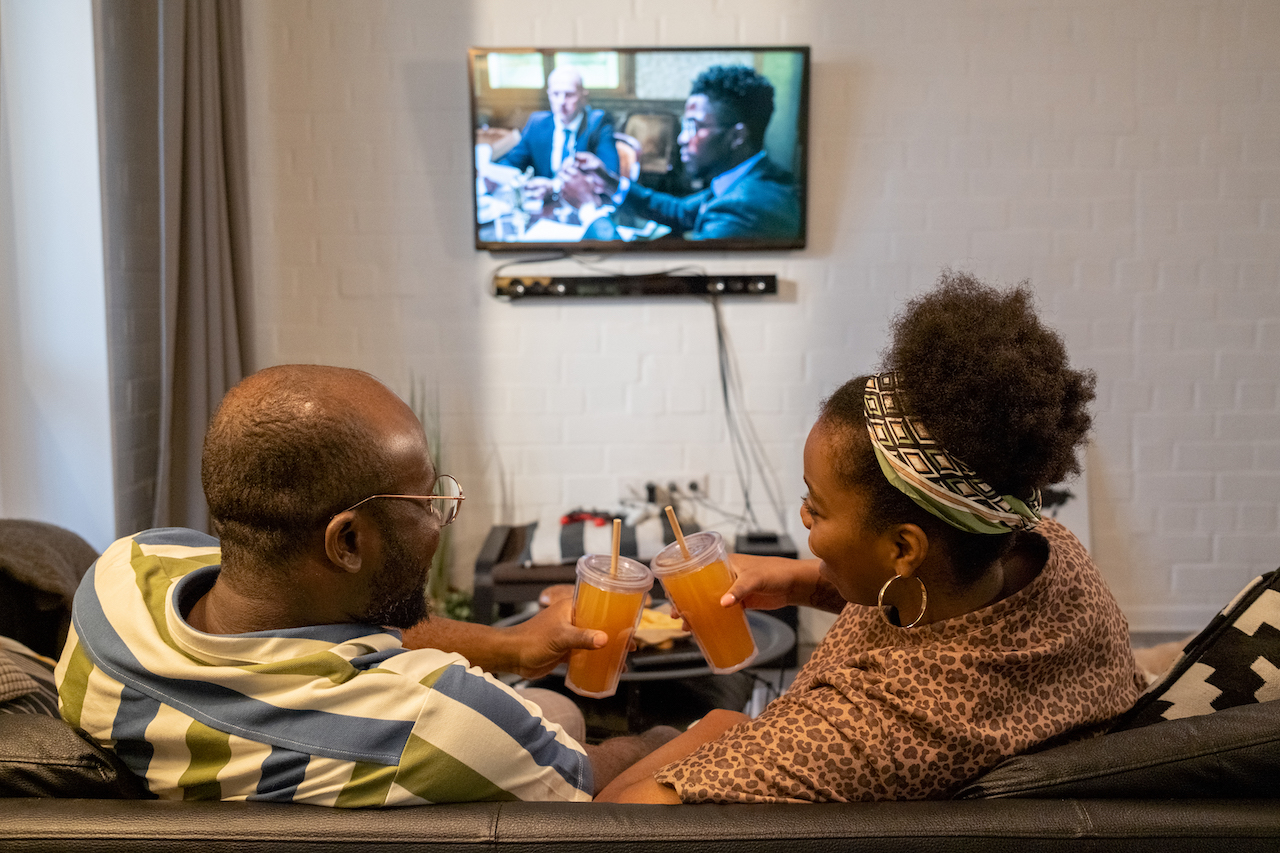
(924, 599)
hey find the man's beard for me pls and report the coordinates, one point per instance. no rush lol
(400, 599)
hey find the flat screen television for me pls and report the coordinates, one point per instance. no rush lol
(639, 149)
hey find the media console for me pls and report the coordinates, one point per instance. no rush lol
(663, 284)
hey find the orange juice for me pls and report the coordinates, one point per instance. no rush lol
(695, 586)
(609, 603)
(722, 632)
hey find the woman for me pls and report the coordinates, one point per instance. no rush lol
(970, 628)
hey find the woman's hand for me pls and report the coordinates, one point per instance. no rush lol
(767, 583)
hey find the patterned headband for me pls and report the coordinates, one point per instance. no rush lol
(919, 467)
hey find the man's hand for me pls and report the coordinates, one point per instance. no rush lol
(586, 163)
(554, 593)
(531, 649)
(538, 188)
(541, 642)
(578, 189)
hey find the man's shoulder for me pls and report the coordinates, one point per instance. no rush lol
(598, 117)
(183, 536)
(762, 203)
(764, 185)
(178, 544)
(539, 118)
(767, 171)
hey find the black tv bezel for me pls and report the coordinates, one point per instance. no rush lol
(654, 246)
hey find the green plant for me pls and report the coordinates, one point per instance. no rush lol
(445, 599)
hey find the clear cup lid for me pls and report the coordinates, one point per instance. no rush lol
(632, 575)
(704, 547)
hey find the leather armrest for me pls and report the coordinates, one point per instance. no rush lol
(44, 757)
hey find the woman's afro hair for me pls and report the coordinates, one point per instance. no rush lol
(991, 382)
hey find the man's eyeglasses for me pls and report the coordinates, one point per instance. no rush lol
(690, 127)
(444, 503)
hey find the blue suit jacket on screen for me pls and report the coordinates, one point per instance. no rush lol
(763, 203)
(595, 134)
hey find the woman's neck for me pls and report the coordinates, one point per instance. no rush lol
(1020, 565)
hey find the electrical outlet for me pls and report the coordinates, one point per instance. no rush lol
(637, 488)
(699, 486)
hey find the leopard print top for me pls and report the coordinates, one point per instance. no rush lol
(887, 713)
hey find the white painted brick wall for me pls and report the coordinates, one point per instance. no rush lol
(1123, 156)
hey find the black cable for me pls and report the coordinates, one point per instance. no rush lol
(740, 457)
(747, 448)
(691, 269)
(561, 255)
(580, 260)
(745, 445)
(740, 520)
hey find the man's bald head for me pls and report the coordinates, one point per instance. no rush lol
(566, 94)
(565, 77)
(290, 446)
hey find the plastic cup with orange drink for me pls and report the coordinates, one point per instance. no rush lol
(608, 601)
(694, 570)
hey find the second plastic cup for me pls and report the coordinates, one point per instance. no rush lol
(696, 586)
(610, 603)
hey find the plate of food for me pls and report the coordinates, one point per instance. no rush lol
(658, 628)
(662, 640)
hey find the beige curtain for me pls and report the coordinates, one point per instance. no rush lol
(177, 240)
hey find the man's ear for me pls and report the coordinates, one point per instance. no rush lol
(738, 135)
(908, 546)
(347, 540)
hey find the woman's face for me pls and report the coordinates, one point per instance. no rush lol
(853, 558)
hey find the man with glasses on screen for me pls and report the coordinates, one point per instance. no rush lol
(264, 666)
(721, 142)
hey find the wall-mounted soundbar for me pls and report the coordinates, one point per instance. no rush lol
(555, 286)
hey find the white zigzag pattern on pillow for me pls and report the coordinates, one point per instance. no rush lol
(1264, 611)
(1192, 694)
(1270, 675)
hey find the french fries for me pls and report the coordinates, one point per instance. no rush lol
(657, 628)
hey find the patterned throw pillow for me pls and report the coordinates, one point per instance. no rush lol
(26, 681)
(1234, 661)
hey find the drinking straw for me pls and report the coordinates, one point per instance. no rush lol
(617, 546)
(675, 528)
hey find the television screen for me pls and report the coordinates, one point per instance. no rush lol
(640, 148)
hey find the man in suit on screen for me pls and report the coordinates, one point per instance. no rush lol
(551, 138)
(745, 195)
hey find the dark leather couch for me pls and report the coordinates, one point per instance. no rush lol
(1201, 783)
(982, 826)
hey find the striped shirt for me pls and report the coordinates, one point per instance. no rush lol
(338, 715)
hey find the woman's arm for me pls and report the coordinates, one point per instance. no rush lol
(615, 755)
(767, 583)
(636, 783)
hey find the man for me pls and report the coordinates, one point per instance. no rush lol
(550, 139)
(261, 670)
(722, 145)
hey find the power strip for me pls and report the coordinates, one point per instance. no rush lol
(556, 286)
